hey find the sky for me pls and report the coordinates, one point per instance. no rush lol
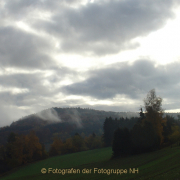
(102, 54)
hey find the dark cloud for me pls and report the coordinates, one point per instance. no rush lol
(36, 81)
(20, 8)
(20, 49)
(98, 28)
(24, 10)
(129, 80)
(34, 87)
(107, 27)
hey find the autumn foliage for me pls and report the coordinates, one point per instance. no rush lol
(75, 143)
(21, 149)
(154, 113)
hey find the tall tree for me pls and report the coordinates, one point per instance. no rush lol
(154, 113)
(109, 127)
(35, 148)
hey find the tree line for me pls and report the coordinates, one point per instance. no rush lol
(20, 150)
(23, 149)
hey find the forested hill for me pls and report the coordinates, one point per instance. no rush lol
(78, 116)
(65, 122)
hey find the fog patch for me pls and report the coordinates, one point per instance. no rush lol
(49, 115)
(75, 117)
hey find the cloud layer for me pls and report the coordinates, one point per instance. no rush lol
(107, 27)
(131, 80)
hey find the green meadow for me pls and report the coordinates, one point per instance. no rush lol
(97, 164)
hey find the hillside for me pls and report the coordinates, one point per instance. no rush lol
(63, 122)
(77, 116)
(158, 165)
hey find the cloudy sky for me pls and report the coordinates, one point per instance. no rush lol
(102, 54)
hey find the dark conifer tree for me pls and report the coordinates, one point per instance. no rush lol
(109, 127)
(121, 142)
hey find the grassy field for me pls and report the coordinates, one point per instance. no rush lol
(163, 164)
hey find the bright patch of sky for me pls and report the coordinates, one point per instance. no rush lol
(161, 46)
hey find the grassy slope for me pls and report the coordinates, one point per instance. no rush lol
(163, 164)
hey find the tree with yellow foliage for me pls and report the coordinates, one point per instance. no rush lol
(68, 146)
(154, 113)
(56, 147)
(78, 143)
(22, 149)
(35, 148)
(175, 135)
